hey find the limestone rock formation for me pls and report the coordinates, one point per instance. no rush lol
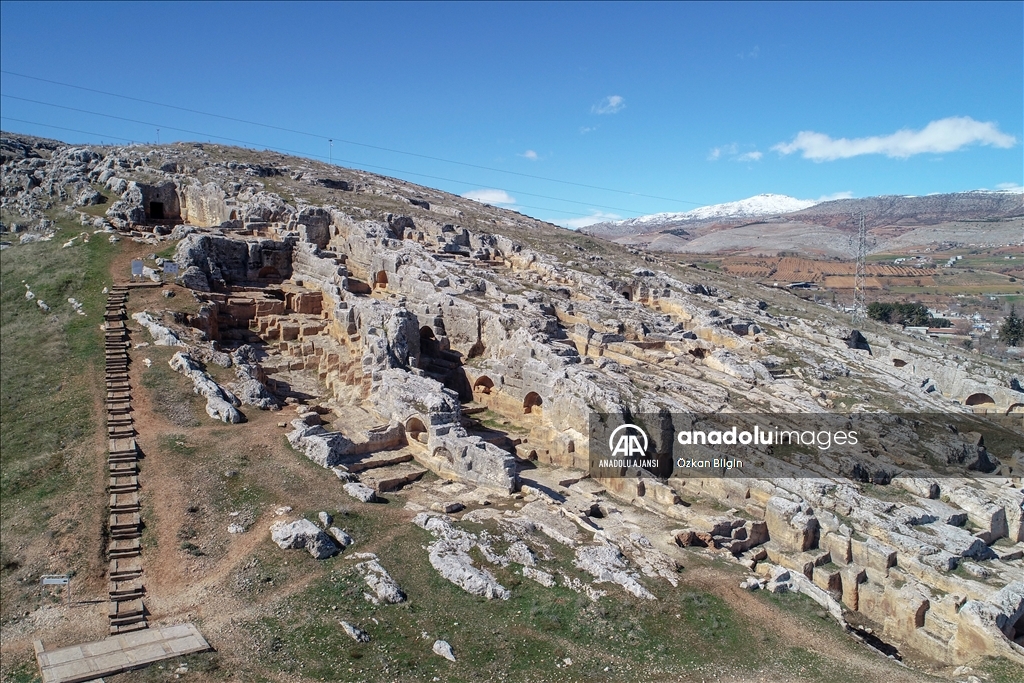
(385, 589)
(415, 330)
(355, 633)
(162, 336)
(449, 555)
(304, 534)
(220, 403)
(443, 649)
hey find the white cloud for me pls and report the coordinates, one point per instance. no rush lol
(587, 129)
(1010, 187)
(612, 104)
(716, 152)
(835, 195)
(530, 154)
(732, 152)
(584, 221)
(491, 196)
(753, 54)
(944, 135)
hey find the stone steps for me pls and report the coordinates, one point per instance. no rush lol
(126, 611)
(121, 469)
(125, 502)
(123, 483)
(392, 477)
(377, 460)
(125, 590)
(124, 547)
(130, 568)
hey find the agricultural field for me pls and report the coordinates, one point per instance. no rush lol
(923, 276)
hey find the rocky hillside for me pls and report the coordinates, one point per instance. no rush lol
(469, 361)
(980, 217)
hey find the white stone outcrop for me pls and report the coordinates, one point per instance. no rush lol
(220, 403)
(606, 563)
(304, 534)
(162, 336)
(385, 589)
(449, 555)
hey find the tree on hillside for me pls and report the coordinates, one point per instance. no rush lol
(915, 315)
(1012, 330)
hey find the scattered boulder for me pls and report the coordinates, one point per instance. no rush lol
(360, 492)
(752, 583)
(443, 649)
(447, 507)
(304, 534)
(355, 633)
(385, 589)
(605, 563)
(162, 336)
(341, 536)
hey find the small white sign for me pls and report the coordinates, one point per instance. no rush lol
(136, 267)
(170, 267)
(55, 580)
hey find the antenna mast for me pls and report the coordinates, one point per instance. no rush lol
(859, 310)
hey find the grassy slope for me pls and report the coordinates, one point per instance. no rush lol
(50, 448)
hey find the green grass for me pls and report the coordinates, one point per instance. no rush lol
(51, 364)
(521, 639)
(26, 673)
(171, 393)
(1000, 671)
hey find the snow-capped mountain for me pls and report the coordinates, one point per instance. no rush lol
(760, 205)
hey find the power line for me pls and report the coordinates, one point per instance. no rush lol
(316, 156)
(254, 144)
(348, 142)
(73, 130)
(860, 273)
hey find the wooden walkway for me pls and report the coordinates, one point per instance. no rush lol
(116, 654)
(132, 643)
(127, 612)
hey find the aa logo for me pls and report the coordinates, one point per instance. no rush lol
(628, 441)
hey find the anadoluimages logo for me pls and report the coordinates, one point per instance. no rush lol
(625, 442)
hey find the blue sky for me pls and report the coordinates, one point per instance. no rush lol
(603, 110)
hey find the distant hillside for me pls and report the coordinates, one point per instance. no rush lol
(928, 210)
(825, 228)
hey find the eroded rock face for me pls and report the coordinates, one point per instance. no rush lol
(606, 563)
(449, 555)
(220, 403)
(304, 534)
(452, 452)
(360, 492)
(224, 261)
(398, 309)
(385, 589)
(162, 336)
(791, 525)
